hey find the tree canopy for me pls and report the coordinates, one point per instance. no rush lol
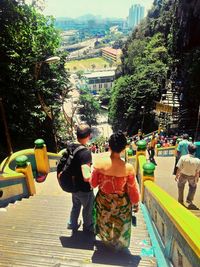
(89, 107)
(164, 46)
(27, 39)
(146, 67)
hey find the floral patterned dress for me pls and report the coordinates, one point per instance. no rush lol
(112, 208)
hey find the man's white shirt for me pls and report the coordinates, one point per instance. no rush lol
(188, 165)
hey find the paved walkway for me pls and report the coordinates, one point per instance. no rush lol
(166, 180)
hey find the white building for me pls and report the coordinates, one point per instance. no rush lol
(136, 14)
(98, 80)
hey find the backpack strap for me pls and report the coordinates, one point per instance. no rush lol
(78, 149)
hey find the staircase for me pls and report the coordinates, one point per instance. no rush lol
(171, 98)
(33, 233)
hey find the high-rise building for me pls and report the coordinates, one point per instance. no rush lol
(136, 14)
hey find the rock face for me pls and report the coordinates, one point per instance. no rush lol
(188, 18)
(188, 51)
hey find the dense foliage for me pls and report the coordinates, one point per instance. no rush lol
(146, 67)
(27, 39)
(164, 48)
(146, 61)
(104, 96)
(89, 107)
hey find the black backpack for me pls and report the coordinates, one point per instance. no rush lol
(66, 179)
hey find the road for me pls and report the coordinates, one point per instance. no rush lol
(104, 128)
(87, 45)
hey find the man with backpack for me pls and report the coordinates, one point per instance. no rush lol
(82, 193)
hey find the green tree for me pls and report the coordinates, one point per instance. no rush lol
(118, 44)
(104, 96)
(80, 73)
(89, 107)
(27, 39)
(146, 64)
(93, 66)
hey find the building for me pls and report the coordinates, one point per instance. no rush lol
(96, 81)
(111, 54)
(136, 14)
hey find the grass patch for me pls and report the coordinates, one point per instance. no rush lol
(89, 64)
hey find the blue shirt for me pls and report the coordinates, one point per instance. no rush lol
(183, 147)
(197, 153)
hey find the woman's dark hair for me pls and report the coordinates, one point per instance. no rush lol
(117, 142)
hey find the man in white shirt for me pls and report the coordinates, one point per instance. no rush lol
(188, 171)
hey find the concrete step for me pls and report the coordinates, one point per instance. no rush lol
(196, 212)
(33, 233)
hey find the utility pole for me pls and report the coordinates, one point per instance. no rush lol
(142, 124)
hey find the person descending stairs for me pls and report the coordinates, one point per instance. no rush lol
(34, 232)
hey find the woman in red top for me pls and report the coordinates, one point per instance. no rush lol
(117, 193)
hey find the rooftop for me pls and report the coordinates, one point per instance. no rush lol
(112, 50)
(99, 74)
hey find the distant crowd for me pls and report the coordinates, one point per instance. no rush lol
(99, 148)
(187, 160)
(159, 141)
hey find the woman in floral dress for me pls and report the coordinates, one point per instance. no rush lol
(117, 193)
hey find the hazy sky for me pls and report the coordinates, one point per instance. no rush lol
(105, 8)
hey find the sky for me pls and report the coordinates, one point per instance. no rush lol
(104, 8)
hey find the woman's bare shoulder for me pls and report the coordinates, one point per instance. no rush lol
(130, 169)
(101, 163)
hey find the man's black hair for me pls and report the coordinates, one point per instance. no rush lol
(117, 142)
(185, 136)
(83, 131)
(192, 148)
